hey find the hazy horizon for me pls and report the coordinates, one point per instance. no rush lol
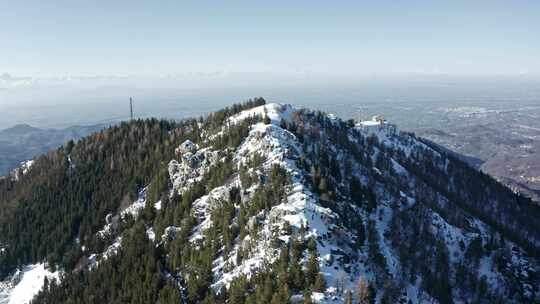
(63, 106)
(66, 63)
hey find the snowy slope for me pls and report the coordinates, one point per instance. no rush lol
(24, 284)
(275, 111)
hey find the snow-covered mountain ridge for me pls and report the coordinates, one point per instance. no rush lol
(397, 194)
(316, 209)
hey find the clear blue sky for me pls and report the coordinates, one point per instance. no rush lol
(55, 38)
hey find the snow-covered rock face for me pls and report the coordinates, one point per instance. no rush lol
(111, 223)
(24, 169)
(186, 147)
(278, 147)
(169, 233)
(203, 206)
(133, 210)
(193, 164)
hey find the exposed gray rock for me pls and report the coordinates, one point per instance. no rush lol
(193, 164)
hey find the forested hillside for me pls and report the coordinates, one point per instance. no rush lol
(266, 203)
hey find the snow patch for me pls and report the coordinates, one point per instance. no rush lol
(275, 111)
(25, 284)
(23, 169)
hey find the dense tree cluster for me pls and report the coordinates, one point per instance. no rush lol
(134, 275)
(68, 192)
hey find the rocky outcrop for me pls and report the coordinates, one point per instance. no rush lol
(193, 164)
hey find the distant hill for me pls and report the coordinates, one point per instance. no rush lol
(22, 142)
(20, 129)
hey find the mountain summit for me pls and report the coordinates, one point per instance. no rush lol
(265, 203)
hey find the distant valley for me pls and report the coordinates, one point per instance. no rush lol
(23, 142)
(507, 142)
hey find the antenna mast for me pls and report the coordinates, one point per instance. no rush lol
(131, 107)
